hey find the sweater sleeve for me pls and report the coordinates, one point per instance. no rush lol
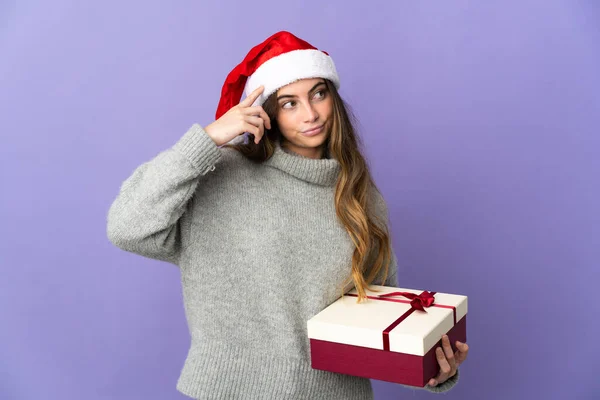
(446, 386)
(148, 215)
(443, 388)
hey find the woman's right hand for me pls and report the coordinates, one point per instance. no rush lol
(240, 119)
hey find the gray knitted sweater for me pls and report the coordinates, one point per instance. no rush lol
(260, 251)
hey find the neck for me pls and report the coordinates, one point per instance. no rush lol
(324, 172)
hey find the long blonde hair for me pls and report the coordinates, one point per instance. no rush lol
(372, 253)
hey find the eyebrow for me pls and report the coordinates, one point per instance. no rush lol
(293, 96)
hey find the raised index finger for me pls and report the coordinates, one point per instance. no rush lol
(248, 101)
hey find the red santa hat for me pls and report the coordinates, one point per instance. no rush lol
(278, 61)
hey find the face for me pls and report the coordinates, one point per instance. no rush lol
(303, 106)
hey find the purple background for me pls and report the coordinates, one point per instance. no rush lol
(481, 123)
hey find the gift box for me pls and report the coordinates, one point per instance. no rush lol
(392, 336)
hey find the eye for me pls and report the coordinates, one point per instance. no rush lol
(289, 102)
(322, 94)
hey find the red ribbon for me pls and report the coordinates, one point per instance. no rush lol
(420, 301)
(417, 302)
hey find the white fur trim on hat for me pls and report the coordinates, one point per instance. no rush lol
(290, 67)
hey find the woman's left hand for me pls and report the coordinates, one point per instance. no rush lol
(449, 361)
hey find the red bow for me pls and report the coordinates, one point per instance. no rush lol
(418, 301)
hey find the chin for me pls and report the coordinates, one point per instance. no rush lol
(315, 141)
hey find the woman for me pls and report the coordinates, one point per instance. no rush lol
(266, 232)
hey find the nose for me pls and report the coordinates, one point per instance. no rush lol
(311, 114)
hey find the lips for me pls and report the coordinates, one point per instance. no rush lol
(313, 131)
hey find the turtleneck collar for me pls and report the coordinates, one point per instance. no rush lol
(322, 171)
